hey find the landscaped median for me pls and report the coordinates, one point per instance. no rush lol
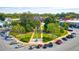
(25, 38)
(58, 38)
(45, 33)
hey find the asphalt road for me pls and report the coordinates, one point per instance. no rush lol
(70, 45)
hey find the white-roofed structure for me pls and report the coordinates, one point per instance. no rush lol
(1, 24)
(71, 21)
(76, 22)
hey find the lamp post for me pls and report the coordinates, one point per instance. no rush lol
(36, 35)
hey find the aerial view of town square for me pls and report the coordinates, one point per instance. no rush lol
(39, 29)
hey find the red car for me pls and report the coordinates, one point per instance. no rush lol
(58, 42)
(40, 45)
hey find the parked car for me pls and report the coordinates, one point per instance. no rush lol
(70, 36)
(40, 45)
(2, 34)
(37, 46)
(19, 46)
(12, 43)
(30, 47)
(64, 39)
(45, 46)
(50, 44)
(74, 34)
(7, 38)
(58, 42)
(70, 29)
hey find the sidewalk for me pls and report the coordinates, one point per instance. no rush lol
(39, 40)
(31, 39)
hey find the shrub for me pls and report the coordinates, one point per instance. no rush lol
(25, 39)
(46, 39)
(18, 29)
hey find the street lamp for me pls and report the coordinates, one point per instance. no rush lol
(36, 35)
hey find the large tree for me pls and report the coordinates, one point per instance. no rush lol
(27, 20)
(2, 16)
(18, 29)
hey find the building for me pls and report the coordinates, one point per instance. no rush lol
(38, 18)
(1, 23)
(72, 23)
(9, 20)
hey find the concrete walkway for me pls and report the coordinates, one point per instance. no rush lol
(39, 39)
(32, 35)
(32, 40)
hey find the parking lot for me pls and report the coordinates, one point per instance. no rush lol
(69, 45)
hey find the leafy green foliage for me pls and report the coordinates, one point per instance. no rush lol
(18, 29)
(65, 25)
(53, 31)
(47, 37)
(13, 23)
(24, 37)
(27, 20)
(2, 16)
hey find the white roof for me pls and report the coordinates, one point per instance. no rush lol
(16, 19)
(1, 24)
(75, 21)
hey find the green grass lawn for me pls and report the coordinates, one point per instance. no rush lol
(47, 37)
(24, 37)
(54, 32)
(37, 35)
